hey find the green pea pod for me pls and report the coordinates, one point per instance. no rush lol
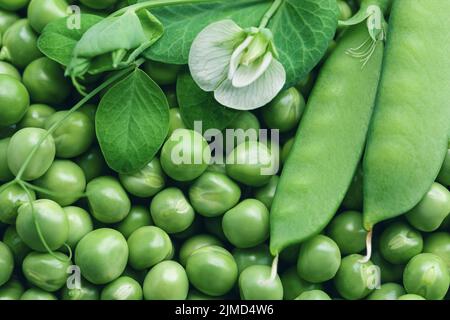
(108, 43)
(328, 144)
(408, 138)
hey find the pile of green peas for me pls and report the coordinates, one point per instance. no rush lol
(177, 231)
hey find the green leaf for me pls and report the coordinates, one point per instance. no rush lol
(57, 41)
(302, 30)
(198, 105)
(132, 122)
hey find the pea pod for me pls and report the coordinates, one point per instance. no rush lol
(328, 144)
(408, 138)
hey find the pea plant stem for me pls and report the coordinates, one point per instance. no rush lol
(156, 4)
(269, 14)
(368, 247)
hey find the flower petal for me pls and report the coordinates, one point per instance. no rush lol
(237, 55)
(210, 53)
(246, 75)
(257, 94)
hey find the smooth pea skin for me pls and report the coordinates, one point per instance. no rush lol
(7, 18)
(65, 182)
(52, 221)
(139, 216)
(37, 294)
(5, 173)
(86, 291)
(313, 295)
(80, 224)
(9, 70)
(45, 81)
(42, 12)
(12, 290)
(251, 164)
(11, 198)
(387, 291)
(285, 111)
(92, 162)
(36, 115)
(74, 136)
(146, 182)
(212, 270)
(256, 283)
(6, 263)
(171, 211)
(162, 73)
(399, 243)
(175, 120)
(194, 243)
(13, 5)
(20, 146)
(259, 255)
(355, 279)
(388, 272)
(293, 285)
(431, 211)
(247, 224)
(46, 271)
(185, 155)
(108, 201)
(266, 193)
(102, 255)
(123, 288)
(19, 249)
(319, 259)
(98, 4)
(20, 44)
(410, 297)
(426, 275)
(348, 232)
(438, 243)
(444, 174)
(212, 194)
(166, 281)
(14, 100)
(148, 246)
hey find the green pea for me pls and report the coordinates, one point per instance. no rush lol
(6, 263)
(36, 116)
(410, 297)
(212, 270)
(185, 155)
(146, 182)
(6, 18)
(286, 149)
(247, 224)
(108, 201)
(250, 163)
(245, 120)
(92, 163)
(431, 211)
(89, 110)
(123, 288)
(293, 285)
(348, 232)
(387, 291)
(75, 134)
(5, 173)
(175, 121)
(148, 246)
(438, 243)
(46, 271)
(139, 216)
(285, 111)
(166, 281)
(399, 243)
(313, 295)
(65, 182)
(52, 221)
(345, 12)
(13, 5)
(305, 85)
(102, 255)
(162, 73)
(259, 255)
(20, 44)
(12, 290)
(14, 100)
(37, 294)
(354, 198)
(197, 295)
(256, 283)
(9, 70)
(19, 249)
(11, 198)
(426, 275)
(388, 272)
(138, 275)
(355, 279)
(86, 291)
(212, 194)
(194, 243)
(20, 147)
(444, 174)
(45, 81)
(171, 211)
(266, 193)
(319, 259)
(42, 12)
(80, 224)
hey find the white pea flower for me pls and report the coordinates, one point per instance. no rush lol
(239, 65)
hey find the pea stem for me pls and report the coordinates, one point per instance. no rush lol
(368, 247)
(49, 192)
(269, 14)
(156, 4)
(274, 271)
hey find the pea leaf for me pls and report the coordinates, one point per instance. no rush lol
(198, 105)
(302, 30)
(132, 122)
(57, 41)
